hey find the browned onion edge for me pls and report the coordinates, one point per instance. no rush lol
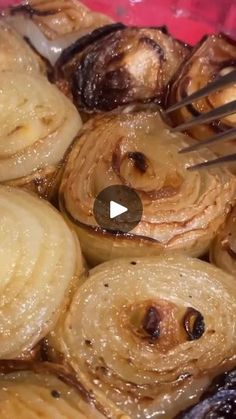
(31, 11)
(99, 231)
(87, 40)
(64, 373)
(217, 125)
(100, 33)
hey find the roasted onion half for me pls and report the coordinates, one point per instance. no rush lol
(148, 334)
(223, 248)
(182, 209)
(214, 56)
(33, 390)
(40, 259)
(125, 66)
(52, 25)
(16, 54)
(38, 124)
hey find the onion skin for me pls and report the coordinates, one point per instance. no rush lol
(104, 335)
(215, 55)
(52, 390)
(57, 18)
(40, 262)
(51, 26)
(182, 210)
(126, 66)
(38, 125)
(223, 248)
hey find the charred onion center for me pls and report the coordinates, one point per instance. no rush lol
(194, 324)
(151, 323)
(137, 170)
(145, 322)
(139, 161)
(155, 323)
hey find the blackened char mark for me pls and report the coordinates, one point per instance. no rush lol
(85, 41)
(194, 324)
(117, 79)
(112, 90)
(29, 10)
(225, 381)
(139, 161)
(151, 323)
(154, 45)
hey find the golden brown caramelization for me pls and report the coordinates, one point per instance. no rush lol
(145, 333)
(40, 260)
(182, 210)
(148, 333)
(38, 124)
(34, 390)
(215, 55)
(127, 65)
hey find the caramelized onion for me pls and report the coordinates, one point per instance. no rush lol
(182, 210)
(213, 57)
(125, 66)
(223, 249)
(39, 261)
(56, 18)
(15, 52)
(38, 124)
(51, 26)
(152, 371)
(46, 390)
(51, 50)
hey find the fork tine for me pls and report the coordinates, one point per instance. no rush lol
(222, 81)
(216, 162)
(221, 137)
(224, 110)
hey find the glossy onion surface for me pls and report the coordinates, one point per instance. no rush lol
(38, 123)
(39, 260)
(182, 210)
(147, 333)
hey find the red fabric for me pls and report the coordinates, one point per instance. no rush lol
(190, 27)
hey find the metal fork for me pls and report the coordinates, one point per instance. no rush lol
(224, 110)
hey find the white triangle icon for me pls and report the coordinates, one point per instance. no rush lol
(116, 209)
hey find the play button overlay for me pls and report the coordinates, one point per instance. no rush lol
(118, 209)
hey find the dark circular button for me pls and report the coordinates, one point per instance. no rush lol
(118, 209)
